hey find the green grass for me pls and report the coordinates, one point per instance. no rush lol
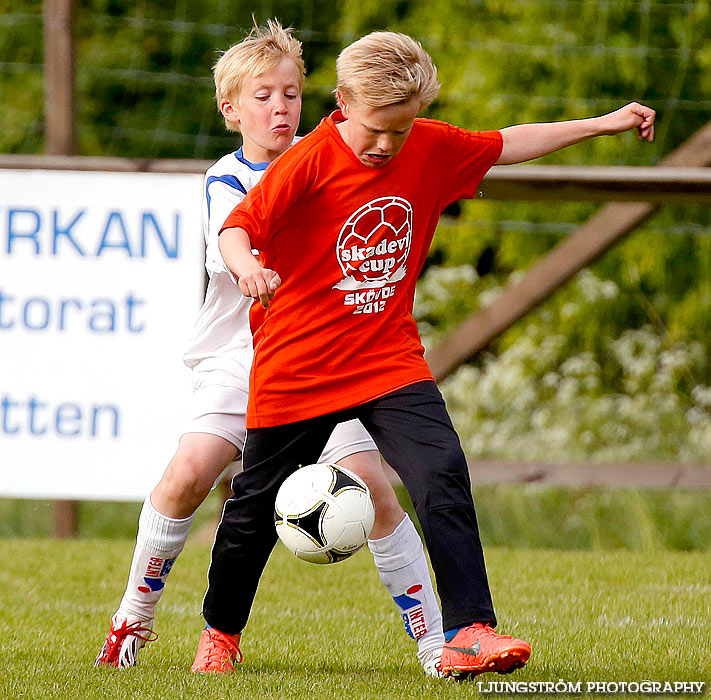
(332, 632)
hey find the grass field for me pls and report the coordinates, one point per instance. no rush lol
(332, 632)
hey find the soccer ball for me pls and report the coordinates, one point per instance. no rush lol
(324, 513)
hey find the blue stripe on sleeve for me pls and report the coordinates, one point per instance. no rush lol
(230, 180)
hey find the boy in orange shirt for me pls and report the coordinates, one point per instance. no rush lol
(258, 84)
(344, 220)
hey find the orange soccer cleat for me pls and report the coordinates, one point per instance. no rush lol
(478, 648)
(217, 652)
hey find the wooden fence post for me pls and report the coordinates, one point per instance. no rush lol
(60, 139)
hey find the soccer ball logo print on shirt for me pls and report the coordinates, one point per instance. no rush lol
(374, 243)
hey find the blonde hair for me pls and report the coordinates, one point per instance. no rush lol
(260, 51)
(386, 68)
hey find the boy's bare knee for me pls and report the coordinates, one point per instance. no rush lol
(186, 482)
(180, 492)
(388, 511)
(187, 477)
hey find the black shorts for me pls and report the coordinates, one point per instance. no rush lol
(415, 435)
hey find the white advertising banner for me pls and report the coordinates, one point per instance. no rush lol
(101, 277)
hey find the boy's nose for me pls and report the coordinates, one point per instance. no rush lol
(384, 142)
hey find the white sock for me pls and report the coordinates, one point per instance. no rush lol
(402, 565)
(159, 541)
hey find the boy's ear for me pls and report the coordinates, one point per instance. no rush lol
(229, 112)
(342, 105)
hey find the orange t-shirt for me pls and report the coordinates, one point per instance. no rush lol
(349, 242)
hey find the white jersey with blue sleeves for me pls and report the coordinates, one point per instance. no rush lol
(222, 324)
(220, 350)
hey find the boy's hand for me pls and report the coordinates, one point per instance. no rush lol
(260, 283)
(631, 116)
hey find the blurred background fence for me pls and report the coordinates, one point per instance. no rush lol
(611, 369)
(144, 86)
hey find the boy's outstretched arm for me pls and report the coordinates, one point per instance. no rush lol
(528, 141)
(254, 280)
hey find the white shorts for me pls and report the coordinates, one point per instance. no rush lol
(219, 405)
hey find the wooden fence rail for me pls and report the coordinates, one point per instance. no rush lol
(585, 475)
(661, 185)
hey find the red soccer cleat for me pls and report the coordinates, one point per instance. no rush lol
(217, 652)
(478, 648)
(125, 639)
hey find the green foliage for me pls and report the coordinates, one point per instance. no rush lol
(171, 94)
(143, 73)
(563, 388)
(21, 80)
(144, 69)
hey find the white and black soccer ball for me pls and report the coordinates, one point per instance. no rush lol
(324, 513)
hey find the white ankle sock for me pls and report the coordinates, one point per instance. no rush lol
(402, 565)
(159, 541)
